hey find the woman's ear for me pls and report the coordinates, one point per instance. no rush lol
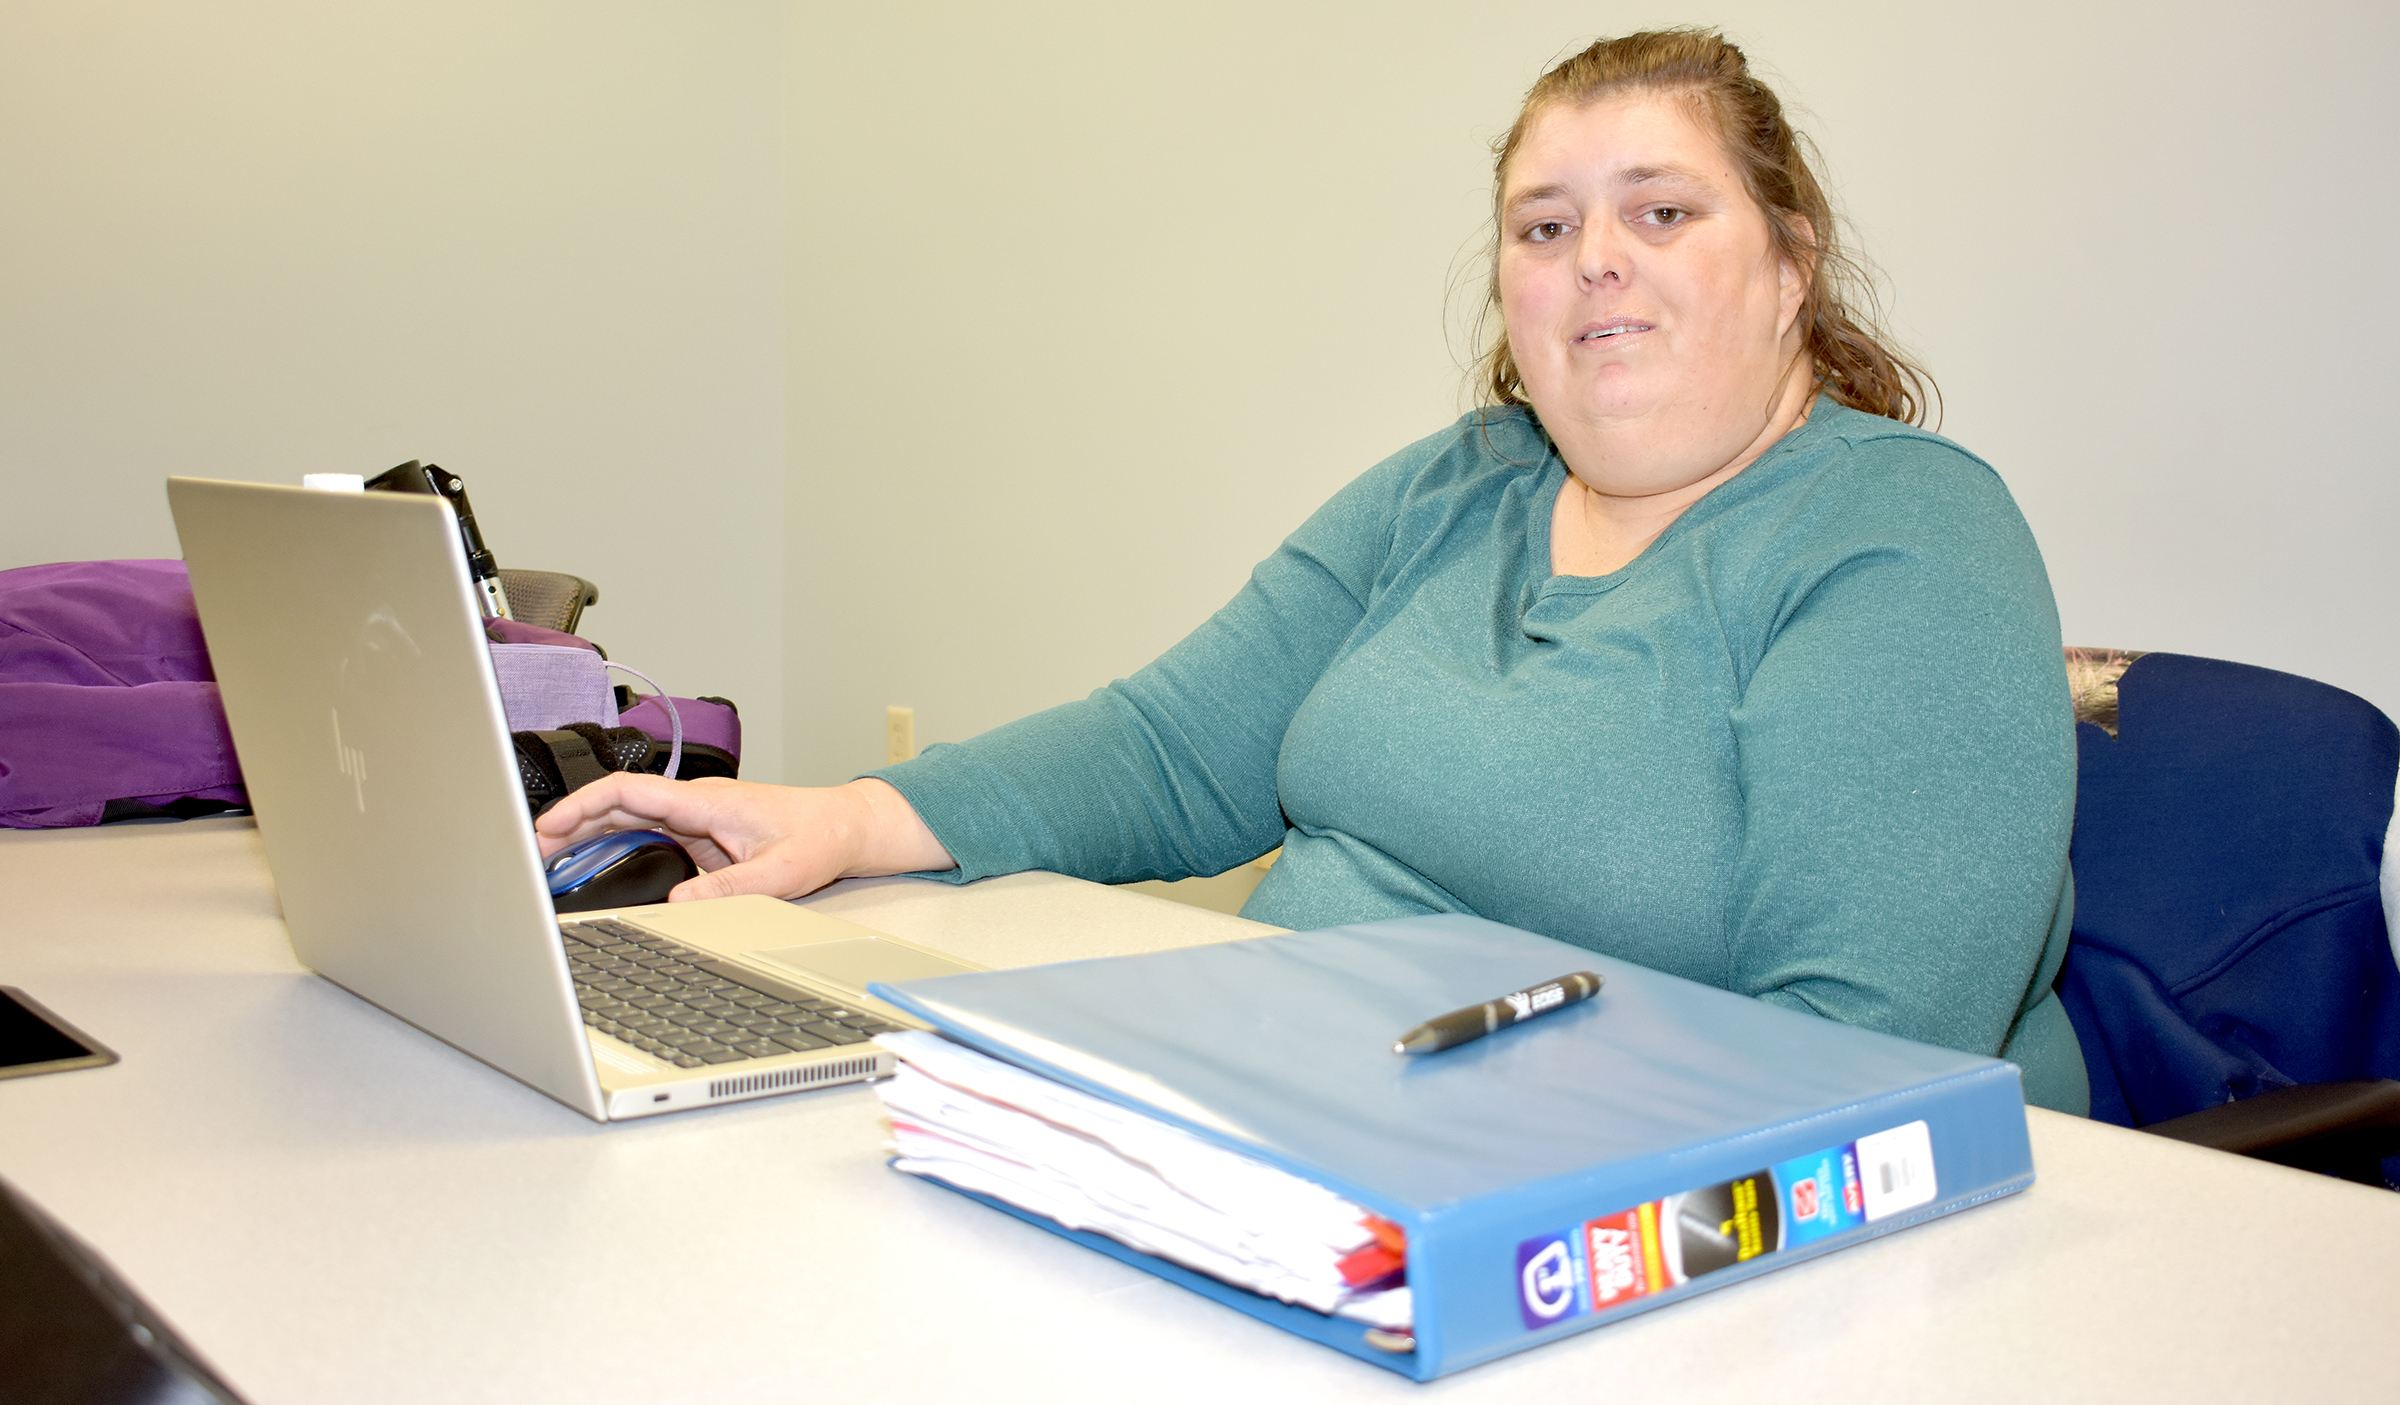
(1796, 275)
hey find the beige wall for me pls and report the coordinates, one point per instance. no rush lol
(1078, 308)
(539, 243)
(1092, 303)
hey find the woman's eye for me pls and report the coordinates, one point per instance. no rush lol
(1666, 215)
(1546, 231)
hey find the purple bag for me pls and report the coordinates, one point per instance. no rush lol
(109, 709)
(542, 696)
(106, 697)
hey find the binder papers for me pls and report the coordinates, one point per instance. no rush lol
(995, 1129)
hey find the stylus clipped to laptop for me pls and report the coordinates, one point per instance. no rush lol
(349, 649)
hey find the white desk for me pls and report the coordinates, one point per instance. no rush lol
(334, 1207)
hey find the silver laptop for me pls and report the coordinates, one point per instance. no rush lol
(350, 653)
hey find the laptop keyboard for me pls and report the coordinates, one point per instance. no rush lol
(689, 1008)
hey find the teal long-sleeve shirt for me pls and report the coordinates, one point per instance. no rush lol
(1812, 745)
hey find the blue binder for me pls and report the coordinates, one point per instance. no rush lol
(1657, 1140)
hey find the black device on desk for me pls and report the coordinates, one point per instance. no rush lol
(32, 1040)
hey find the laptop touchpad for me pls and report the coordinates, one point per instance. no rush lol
(858, 960)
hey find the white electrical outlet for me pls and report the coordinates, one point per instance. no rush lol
(899, 734)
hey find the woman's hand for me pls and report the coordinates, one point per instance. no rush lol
(748, 838)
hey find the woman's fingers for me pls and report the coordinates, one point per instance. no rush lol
(774, 880)
(621, 800)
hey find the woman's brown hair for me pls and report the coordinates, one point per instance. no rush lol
(1850, 354)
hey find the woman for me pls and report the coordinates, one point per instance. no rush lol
(1687, 648)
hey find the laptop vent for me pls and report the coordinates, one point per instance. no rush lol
(790, 1078)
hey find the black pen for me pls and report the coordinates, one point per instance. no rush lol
(1446, 1031)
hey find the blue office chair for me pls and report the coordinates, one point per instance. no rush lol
(2231, 977)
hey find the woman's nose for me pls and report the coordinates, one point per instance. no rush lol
(1600, 253)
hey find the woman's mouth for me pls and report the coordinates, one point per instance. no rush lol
(1613, 327)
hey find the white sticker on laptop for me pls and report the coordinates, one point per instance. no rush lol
(1895, 1169)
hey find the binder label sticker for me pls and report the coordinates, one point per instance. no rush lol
(1821, 1194)
(1617, 1259)
(1550, 1281)
(1898, 1166)
(1622, 1251)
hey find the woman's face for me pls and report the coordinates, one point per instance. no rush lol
(1653, 322)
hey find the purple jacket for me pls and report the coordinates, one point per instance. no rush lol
(105, 694)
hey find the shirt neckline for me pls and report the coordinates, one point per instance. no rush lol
(1544, 507)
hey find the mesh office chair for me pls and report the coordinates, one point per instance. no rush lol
(2232, 979)
(550, 599)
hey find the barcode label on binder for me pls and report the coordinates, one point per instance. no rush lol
(1618, 1258)
(1898, 1167)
